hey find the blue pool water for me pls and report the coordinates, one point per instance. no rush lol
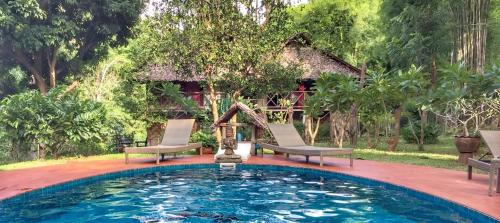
(248, 194)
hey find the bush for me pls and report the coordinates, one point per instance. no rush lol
(431, 133)
(323, 131)
(207, 139)
(57, 124)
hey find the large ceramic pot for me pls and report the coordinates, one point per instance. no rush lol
(466, 146)
(207, 150)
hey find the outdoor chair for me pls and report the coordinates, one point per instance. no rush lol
(290, 142)
(492, 140)
(175, 139)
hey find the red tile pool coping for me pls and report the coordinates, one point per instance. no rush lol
(448, 184)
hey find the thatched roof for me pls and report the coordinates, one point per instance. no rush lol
(167, 73)
(314, 62)
(297, 50)
(256, 118)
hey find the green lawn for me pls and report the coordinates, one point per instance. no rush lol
(441, 155)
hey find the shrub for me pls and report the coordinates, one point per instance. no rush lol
(323, 131)
(56, 124)
(206, 138)
(431, 133)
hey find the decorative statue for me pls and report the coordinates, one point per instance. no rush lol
(229, 145)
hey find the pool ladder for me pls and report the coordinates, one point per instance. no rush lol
(225, 166)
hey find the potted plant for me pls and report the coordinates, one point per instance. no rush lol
(472, 102)
(469, 115)
(207, 140)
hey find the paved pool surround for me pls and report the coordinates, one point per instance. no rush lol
(444, 185)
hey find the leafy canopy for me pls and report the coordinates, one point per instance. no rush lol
(50, 39)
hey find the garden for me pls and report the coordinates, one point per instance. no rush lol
(78, 77)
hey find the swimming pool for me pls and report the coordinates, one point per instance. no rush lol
(252, 193)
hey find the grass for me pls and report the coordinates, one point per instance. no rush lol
(440, 155)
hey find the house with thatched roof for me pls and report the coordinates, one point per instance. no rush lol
(297, 50)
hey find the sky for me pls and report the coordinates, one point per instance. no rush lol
(152, 6)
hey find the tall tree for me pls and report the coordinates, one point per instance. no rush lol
(471, 22)
(418, 33)
(347, 28)
(50, 39)
(218, 39)
(493, 35)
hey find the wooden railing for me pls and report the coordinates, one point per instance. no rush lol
(271, 102)
(294, 99)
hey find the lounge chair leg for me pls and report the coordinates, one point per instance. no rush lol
(162, 156)
(498, 180)
(157, 157)
(307, 159)
(351, 162)
(321, 160)
(490, 182)
(126, 158)
(469, 172)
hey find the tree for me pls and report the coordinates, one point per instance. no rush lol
(58, 123)
(471, 22)
(51, 39)
(327, 22)
(337, 94)
(223, 40)
(418, 34)
(350, 29)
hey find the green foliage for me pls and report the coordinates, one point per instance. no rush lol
(493, 41)
(206, 138)
(228, 48)
(416, 31)
(468, 100)
(349, 29)
(275, 79)
(333, 92)
(327, 22)
(431, 133)
(60, 123)
(12, 81)
(60, 36)
(173, 93)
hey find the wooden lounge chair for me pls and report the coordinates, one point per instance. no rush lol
(175, 139)
(290, 142)
(492, 139)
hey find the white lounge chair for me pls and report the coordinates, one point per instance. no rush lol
(290, 142)
(175, 139)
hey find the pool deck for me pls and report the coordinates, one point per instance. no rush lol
(448, 184)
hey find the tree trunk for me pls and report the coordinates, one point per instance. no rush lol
(397, 128)
(471, 18)
(40, 83)
(215, 109)
(311, 129)
(423, 124)
(355, 122)
(32, 69)
(52, 61)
